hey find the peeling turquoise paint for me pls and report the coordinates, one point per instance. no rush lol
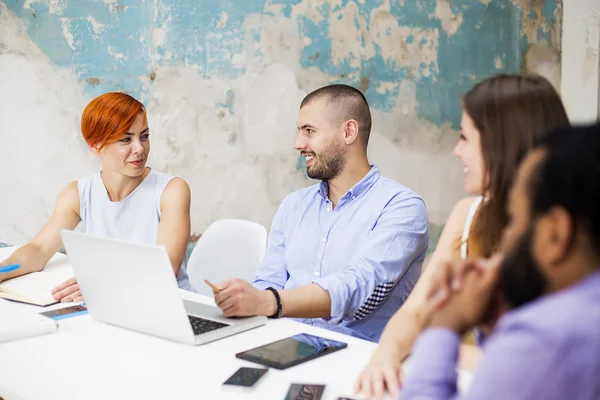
(301, 165)
(549, 9)
(120, 30)
(439, 101)
(111, 47)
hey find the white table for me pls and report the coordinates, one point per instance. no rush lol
(86, 359)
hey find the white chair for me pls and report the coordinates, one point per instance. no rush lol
(229, 248)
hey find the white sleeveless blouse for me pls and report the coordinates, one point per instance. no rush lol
(135, 218)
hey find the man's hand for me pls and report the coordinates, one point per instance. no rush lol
(238, 298)
(67, 291)
(461, 291)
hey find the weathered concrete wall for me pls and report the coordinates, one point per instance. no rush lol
(581, 60)
(222, 82)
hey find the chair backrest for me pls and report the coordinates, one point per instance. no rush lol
(229, 248)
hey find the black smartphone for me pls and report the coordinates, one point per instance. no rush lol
(245, 378)
(66, 312)
(303, 391)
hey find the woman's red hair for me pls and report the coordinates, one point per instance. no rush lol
(108, 117)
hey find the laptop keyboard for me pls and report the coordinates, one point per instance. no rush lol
(201, 325)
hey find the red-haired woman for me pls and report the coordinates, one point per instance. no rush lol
(125, 200)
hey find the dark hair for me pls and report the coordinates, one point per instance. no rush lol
(348, 103)
(512, 113)
(569, 176)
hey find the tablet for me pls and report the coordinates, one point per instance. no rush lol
(291, 351)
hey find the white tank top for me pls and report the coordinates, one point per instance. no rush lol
(467, 227)
(134, 218)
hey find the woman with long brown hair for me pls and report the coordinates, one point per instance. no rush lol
(125, 200)
(503, 118)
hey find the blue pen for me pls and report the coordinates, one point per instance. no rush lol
(9, 268)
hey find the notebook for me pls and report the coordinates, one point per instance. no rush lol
(35, 288)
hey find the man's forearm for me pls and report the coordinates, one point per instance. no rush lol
(311, 301)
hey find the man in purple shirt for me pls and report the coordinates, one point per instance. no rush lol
(548, 346)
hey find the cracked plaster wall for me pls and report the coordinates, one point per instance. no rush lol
(222, 82)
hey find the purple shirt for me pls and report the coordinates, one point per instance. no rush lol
(548, 349)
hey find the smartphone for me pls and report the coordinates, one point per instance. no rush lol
(245, 378)
(303, 391)
(66, 312)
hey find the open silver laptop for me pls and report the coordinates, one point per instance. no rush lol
(133, 286)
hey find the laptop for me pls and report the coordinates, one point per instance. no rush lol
(133, 286)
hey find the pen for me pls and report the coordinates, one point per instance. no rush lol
(9, 268)
(213, 287)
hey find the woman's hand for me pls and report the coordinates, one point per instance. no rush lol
(381, 375)
(67, 291)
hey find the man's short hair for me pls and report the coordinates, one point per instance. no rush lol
(346, 103)
(569, 176)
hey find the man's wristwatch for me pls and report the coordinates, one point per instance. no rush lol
(279, 312)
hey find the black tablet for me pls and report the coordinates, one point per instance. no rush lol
(291, 351)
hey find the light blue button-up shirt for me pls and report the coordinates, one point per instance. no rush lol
(367, 252)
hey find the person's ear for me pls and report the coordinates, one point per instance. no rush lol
(350, 131)
(554, 236)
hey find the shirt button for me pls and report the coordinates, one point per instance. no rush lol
(323, 240)
(353, 197)
(328, 208)
(315, 273)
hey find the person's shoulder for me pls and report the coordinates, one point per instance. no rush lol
(86, 180)
(69, 196)
(395, 188)
(170, 183)
(176, 189)
(565, 315)
(71, 189)
(397, 192)
(300, 196)
(160, 177)
(177, 184)
(460, 212)
(386, 182)
(464, 205)
(453, 230)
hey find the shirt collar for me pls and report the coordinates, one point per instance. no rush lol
(359, 188)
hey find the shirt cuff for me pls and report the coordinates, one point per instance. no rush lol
(434, 358)
(336, 289)
(262, 285)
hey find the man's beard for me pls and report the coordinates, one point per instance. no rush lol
(329, 163)
(520, 277)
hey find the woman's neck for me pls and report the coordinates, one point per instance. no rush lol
(119, 186)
